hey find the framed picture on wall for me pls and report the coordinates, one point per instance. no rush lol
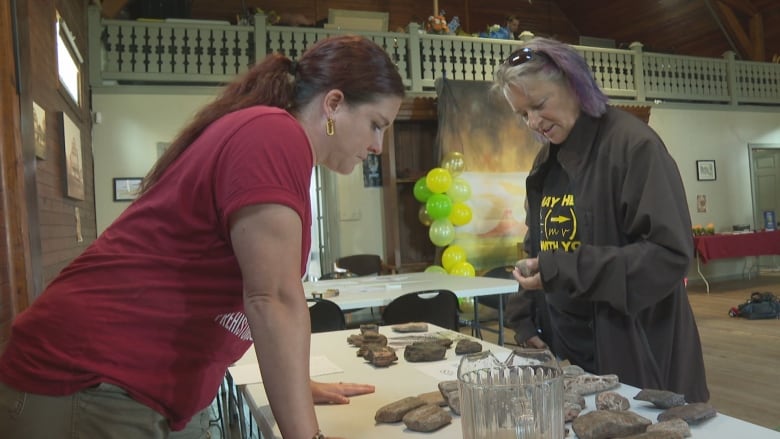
(39, 127)
(372, 171)
(126, 188)
(74, 172)
(705, 170)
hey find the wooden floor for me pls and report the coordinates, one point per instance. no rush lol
(742, 357)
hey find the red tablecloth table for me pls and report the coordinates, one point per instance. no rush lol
(734, 245)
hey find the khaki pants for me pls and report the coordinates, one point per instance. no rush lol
(101, 412)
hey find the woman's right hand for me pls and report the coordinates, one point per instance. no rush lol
(535, 342)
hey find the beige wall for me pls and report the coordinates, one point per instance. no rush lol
(125, 140)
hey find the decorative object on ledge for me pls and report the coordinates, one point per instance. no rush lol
(705, 170)
(437, 24)
(74, 173)
(126, 188)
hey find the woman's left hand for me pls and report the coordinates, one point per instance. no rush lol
(337, 393)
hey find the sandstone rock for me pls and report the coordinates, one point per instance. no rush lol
(355, 340)
(363, 350)
(571, 411)
(375, 338)
(605, 424)
(655, 435)
(465, 346)
(611, 401)
(428, 417)
(453, 401)
(446, 387)
(675, 426)
(573, 404)
(662, 399)
(369, 327)
(587, 383)
(434, 397)
(572, 370)
(411, 327)
(395, 411)
(424, 351)
(690, 413)
(382, 356)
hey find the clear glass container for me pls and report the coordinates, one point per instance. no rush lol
(519, 398)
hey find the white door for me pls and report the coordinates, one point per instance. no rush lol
(765, 169)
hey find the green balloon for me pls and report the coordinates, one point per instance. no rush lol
(421, 191)
(442, 232)
(460, 190)
(435, 269)
(438, 206)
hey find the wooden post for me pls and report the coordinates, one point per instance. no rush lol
(435, 7)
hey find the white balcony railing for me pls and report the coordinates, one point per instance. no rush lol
(135, 52)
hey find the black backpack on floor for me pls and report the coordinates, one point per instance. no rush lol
(761, 305)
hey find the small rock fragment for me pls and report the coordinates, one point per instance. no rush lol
(424, 351)
(369, 327)
(674, 425)
(662, 399)
(611, 401)
(587, 383)
(381, 356)
(465, 346)
(572, 370)
(690, 413)
(411, 327)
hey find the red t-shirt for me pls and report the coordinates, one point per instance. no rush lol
(155, 304)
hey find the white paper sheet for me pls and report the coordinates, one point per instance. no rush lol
(250, 373)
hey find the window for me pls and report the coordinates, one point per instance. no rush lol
(69, 62)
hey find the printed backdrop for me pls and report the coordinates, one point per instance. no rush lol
(498, 150)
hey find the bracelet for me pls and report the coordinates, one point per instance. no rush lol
(318, 435)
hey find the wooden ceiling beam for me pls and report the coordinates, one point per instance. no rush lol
(734, 28)
(743, 6)
(111, 8)
(757, 36)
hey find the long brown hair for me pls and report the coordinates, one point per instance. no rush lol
(353, 64)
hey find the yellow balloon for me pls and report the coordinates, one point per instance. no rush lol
(463, 269)
(452, 255)
(460, 214)
(454, 162)
(438, 180)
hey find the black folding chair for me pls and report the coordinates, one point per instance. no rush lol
(325, 316)
(439, 307)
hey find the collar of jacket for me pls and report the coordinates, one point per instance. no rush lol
(574, 151)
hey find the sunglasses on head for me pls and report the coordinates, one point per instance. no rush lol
(522, 56)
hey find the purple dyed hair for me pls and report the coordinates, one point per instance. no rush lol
(567, 66)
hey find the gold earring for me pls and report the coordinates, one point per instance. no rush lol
(330, 127)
